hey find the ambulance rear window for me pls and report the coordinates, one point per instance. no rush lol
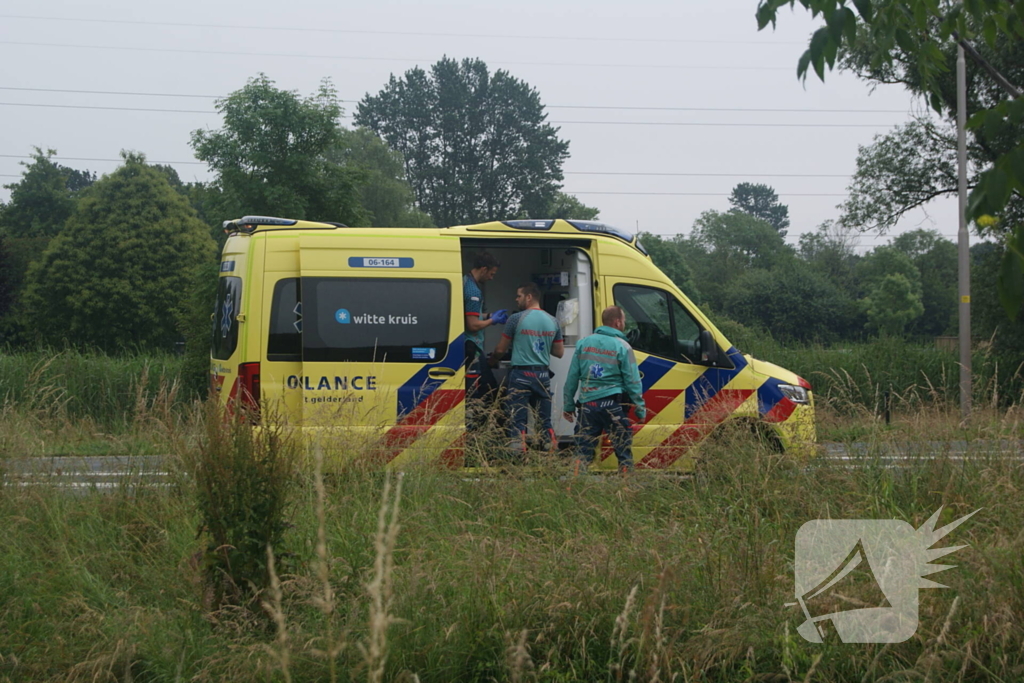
(284, 342)
(393, 320)
(225, 317)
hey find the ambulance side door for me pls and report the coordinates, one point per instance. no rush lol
(666, 340)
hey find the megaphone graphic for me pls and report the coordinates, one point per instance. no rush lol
(851, 585)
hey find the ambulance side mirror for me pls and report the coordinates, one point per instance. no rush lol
(708, 347)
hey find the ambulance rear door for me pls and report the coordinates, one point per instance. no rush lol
(382, 343)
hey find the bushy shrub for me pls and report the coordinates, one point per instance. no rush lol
(243, 476)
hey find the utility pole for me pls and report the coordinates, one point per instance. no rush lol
(964, 238)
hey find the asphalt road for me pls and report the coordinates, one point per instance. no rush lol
(87, 473)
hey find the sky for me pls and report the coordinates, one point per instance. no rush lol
(645, 87)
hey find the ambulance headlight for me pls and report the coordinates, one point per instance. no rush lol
(795, 394)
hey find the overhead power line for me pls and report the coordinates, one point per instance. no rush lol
(730, 125)
(238, 53)
(705, 194)
(708, 175)
(559, 123)
(751, 109)
(377, 32)
(546, 106)
(115, 92)
(86, 106)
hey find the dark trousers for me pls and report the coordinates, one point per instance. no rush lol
(528, 387)
(605, 415)
(481, 387)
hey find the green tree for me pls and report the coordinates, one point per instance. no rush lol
(44, 197)
(271, 156)
(829, 251)
(917, 38)
(892, 304)
(6, 277)
(383, 191)
(738, 241)
(936, 260)
(988, 320)
(666, 254)
(792, 305)
(760, 201)
(476, 145)
(118, 270)
(899, 171)
(872, 272)
(887, 260)
(192, 317)
(567, 206)
(722, 246)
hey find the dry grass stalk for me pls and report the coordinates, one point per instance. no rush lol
(814, 665)
(326, 602)
(282, 652)
(380, 587)
(520, 663)
(619, 641)
(658, 654)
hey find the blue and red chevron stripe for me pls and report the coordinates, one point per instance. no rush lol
(421, 402)
(420, 386)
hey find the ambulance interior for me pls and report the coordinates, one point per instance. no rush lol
(565, 278)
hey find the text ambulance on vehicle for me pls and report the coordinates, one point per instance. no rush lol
(356, 336)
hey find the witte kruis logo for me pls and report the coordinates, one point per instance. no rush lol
(859, 578)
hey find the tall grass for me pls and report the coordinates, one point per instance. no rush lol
(107, 390)
(530, 576)
(857, 376)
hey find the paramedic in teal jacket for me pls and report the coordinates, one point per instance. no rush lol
(535, 336)
(605, 372)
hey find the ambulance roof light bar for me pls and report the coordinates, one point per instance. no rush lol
(603, 228)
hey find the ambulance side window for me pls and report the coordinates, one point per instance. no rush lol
(284, 342)
(368, 319)
(224, 332)
(658, 324)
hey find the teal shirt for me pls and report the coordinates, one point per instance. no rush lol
(473, 304)
(604, 365)
(533, 332)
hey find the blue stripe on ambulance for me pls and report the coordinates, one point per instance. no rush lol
(652, 369)
(768, 395)
(707, 386)
(420, 386)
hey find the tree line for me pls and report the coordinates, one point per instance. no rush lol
(825, 289)
(127, 260)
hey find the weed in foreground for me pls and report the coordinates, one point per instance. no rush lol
(244, 481)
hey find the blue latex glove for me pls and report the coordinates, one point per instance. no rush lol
(500, 317)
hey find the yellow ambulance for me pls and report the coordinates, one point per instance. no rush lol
(356, 336)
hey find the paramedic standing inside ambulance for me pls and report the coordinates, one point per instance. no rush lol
(534, 335)
(479, 379)
(604, 368)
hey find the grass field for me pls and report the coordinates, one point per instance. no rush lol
(519, 577)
